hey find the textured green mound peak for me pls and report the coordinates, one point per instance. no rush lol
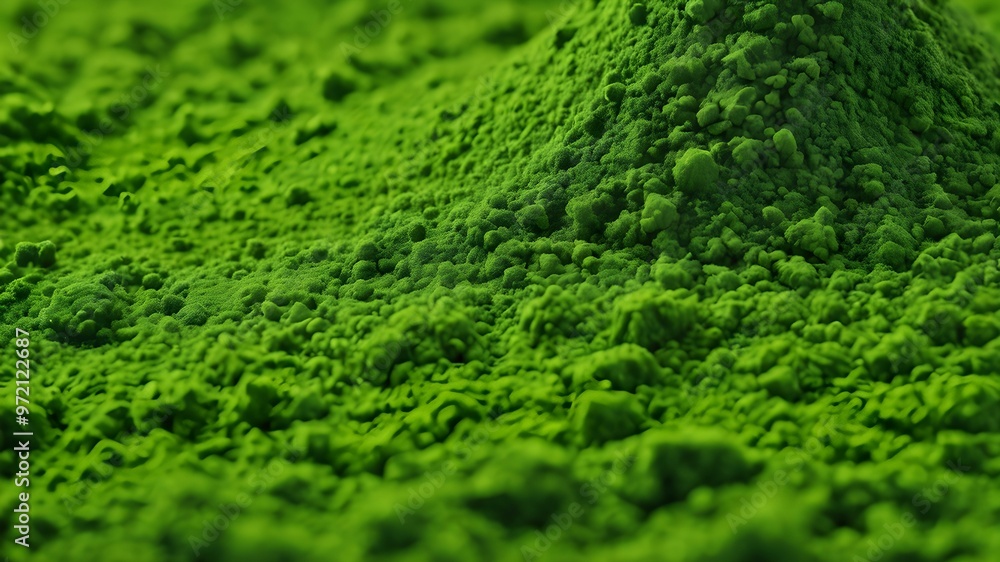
(847, 134)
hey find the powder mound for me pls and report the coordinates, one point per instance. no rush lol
(85, 313)
(846, 134)
(670, 464)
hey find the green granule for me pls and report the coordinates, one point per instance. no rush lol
(441, 280)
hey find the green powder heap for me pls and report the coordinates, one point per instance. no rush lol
(698, 280)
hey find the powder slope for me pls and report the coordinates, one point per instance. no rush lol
(757, 131)
(690, 281)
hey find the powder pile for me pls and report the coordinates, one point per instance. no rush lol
(674, 280)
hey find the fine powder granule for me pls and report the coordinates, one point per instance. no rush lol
(610, 280)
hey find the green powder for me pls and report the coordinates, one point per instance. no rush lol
(610, 280)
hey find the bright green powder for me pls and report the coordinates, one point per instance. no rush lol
(610, 280)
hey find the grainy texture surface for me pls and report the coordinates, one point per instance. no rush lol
(508, 280)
